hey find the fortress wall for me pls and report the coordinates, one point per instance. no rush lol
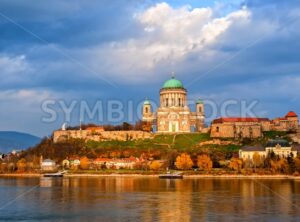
(62, 135)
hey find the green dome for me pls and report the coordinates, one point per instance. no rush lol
(147, 102)
(199, 101)
(173, 83)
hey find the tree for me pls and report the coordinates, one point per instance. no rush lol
(257, 160)
(291, 164)
(21, 164)
(84, 163)
(279, 166)
(204, 162)
(236, 164)
(155, 165)
(297, 164)
(184, 162)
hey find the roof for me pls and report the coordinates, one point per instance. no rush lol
(253, 148)
(296, 147)
(240, 119)
(173, 84)
(199, 101)
(48, 161)
(102, 159)
(291, 114)
(281, 142)
(147, 102)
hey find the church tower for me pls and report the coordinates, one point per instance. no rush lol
(200, 115)
(147, 111)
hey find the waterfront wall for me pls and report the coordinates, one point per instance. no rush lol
(63, 135)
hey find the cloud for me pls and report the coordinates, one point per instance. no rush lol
(169, 36)
(229, 50)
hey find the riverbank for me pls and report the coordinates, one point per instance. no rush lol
(202, 176)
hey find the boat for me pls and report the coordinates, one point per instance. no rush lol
(169, 175)
(58, 174)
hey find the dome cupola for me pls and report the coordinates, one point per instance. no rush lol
(173, 84)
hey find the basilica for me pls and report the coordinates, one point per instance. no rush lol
(173, 114)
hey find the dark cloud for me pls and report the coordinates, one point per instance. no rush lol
(73, 33)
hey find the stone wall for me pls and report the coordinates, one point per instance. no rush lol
(62, 135)
(236, 130)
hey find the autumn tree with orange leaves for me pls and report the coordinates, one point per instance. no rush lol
(204, 162)
(236, 164)
(21, 165)
(155, 165)
(184, 162)
(84, 163)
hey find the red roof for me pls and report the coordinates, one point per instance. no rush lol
(102, 159)
(291, 114)
(240, 119)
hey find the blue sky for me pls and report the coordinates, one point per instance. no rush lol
(124, 50)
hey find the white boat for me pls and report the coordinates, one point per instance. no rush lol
(169, 175)
(58, 174)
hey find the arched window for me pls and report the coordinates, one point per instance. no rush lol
(217, 129)
(179, 102)
(200, 109)
(167, 102)
(146, 110)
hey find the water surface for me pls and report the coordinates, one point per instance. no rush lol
(148, 199)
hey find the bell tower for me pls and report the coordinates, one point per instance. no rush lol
(200, 107)
(200, 115)
(147, 110)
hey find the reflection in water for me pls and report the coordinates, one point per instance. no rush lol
(149, 199)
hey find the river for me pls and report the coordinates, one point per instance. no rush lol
(148, 199)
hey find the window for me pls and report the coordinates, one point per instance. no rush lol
(146, 110)
(200, 109)
(167, 102)
(217, 129)
(179, 102)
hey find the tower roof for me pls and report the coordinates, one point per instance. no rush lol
(173, 84)
(147, 102)
(199, 101)
(291, 114)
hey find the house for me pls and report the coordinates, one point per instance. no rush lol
(74, 161)
(99, 162)
(48, 165)
(247, 152)
(125, 163)
(279, 147)
(66, 164)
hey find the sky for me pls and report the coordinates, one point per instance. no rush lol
(59, 53)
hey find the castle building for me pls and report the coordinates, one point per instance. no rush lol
(239, 127)
(252, 127)
(173, 114)
(289, 122)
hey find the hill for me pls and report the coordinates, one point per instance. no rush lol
(10, 140)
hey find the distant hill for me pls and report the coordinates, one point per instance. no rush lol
(15, 140)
